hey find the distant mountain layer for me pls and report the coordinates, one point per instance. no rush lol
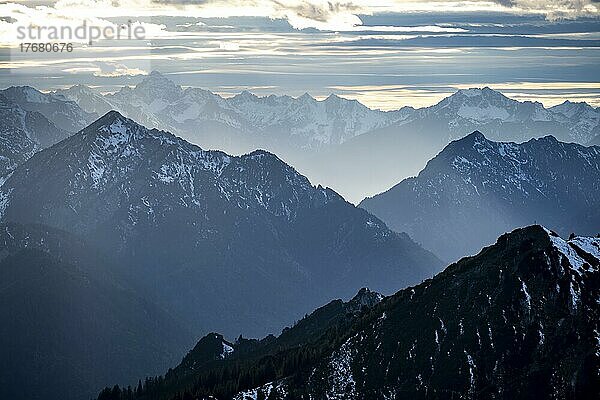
(505, 119)
(476, 189)
(63, 113)
(373, 162)
(69, 328)
(22, 134)
(236, 244)
(31, 121)
(238, 124)
(337, 142)
(517, 321)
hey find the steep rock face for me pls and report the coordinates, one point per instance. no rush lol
(242, 244)
(518, 320)
(476, 189)
(69, 327)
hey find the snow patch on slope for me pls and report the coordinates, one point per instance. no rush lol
(568, 252)
(4, 201)
(482, 114)
(227, 350)
(341, 380)
(589, 245)
(277, 387)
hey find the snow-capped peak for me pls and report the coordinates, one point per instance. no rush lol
(83, 89)
(470, 92)
(480, 92)
(245, 95)
(27, 94)
(111, 122)
(334, 98)
(113, 133)
(305, 98)
(156, 84)
(115, 123)
(157, 77)
(117, 147)
(485, 105)
(33, 95)
(476, 104)
(570, 109)
(475, 137)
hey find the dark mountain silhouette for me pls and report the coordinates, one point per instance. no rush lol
(518, 320)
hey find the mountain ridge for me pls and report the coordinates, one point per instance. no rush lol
(485, 327)
(476, 188)
(65, 114)
(157, 85)
(217, 226)
(22, 134)
(326, 139)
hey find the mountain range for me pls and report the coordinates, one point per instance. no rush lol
(63, 113)
(238, 124)
(237, 244)
(402, 149)
(516, 321)
(22, 134)
(326, 140)
(161, 241)
(476, 189)
(31, 121)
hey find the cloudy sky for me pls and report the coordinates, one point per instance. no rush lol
(385, 53)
